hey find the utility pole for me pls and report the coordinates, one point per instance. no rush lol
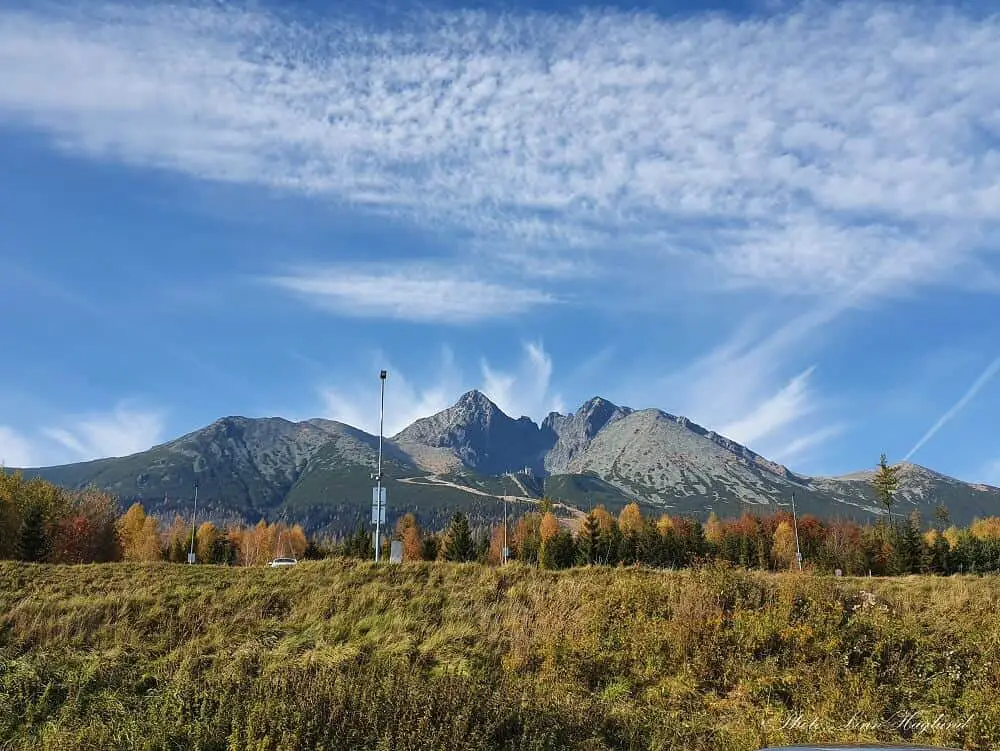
(504, 529)
(194, 523)
(378, 498)
(795, 526)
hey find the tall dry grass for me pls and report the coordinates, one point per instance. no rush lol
(343, 655)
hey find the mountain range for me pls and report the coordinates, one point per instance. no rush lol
(471, 457)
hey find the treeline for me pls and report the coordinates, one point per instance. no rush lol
(885, 548)
(42, 523)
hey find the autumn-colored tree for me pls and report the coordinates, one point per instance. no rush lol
(206, 543)
(664, 524)
(176, 540)
(291, 540)
(494, 554)
(29, 512)
(951, 536)
(409, 532)
(71, 540)
(548, 527)
(605, 520)
(783, 549)
(714, 530)
(86, 531)
(985, 529)
(129, 528)
(630, 519)
(257, 544)
(527, 537)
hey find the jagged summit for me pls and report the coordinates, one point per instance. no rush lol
(601, 452)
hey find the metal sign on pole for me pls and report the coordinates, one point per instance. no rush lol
(378, 506)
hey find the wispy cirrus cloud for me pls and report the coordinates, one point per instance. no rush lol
(410, 292)
(789, 155)
(783, 153)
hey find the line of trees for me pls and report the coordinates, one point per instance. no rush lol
(41, 522)
(765, 542)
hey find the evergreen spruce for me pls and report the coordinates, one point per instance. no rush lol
(458, 544)
(33, 544)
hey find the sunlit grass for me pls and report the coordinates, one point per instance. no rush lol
(339, 654)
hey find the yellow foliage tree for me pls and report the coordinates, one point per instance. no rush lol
(204, 542)
(630, 519)
(147, 546)
(130, 527)
(951, 535)
(986, 529)
(783, 548)
(664, 524)
(605, 521)
(549, 527)
(713, 529)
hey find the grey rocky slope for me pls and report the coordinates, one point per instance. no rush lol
(320, 470)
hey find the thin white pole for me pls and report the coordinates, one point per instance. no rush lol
(194, 523)
(795, 526)
(378, 477)
(504, 556)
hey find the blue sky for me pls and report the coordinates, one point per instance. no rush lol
(778, 220)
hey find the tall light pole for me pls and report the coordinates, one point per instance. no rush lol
(504, 556)
(194, 521)
(378, 503)
(795, 526)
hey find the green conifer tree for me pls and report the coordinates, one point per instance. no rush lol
(459, 545)
(33, 544)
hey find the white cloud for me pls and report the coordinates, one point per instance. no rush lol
(784, 407)
(15, 449)
(985, 377)
(788, 153)
(412, 293)
(125, 430)
(798, 447)
(526, 390)
(358, 405)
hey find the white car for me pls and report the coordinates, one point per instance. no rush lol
(282, 562)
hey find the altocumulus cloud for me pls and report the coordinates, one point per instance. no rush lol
(788, 152)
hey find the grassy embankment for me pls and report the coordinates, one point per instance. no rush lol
(341, 655)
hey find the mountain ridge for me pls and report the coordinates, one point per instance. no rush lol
(472, 453)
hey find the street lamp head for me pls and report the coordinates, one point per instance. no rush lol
(382, 374)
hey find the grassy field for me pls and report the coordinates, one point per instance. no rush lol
(341, 655)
